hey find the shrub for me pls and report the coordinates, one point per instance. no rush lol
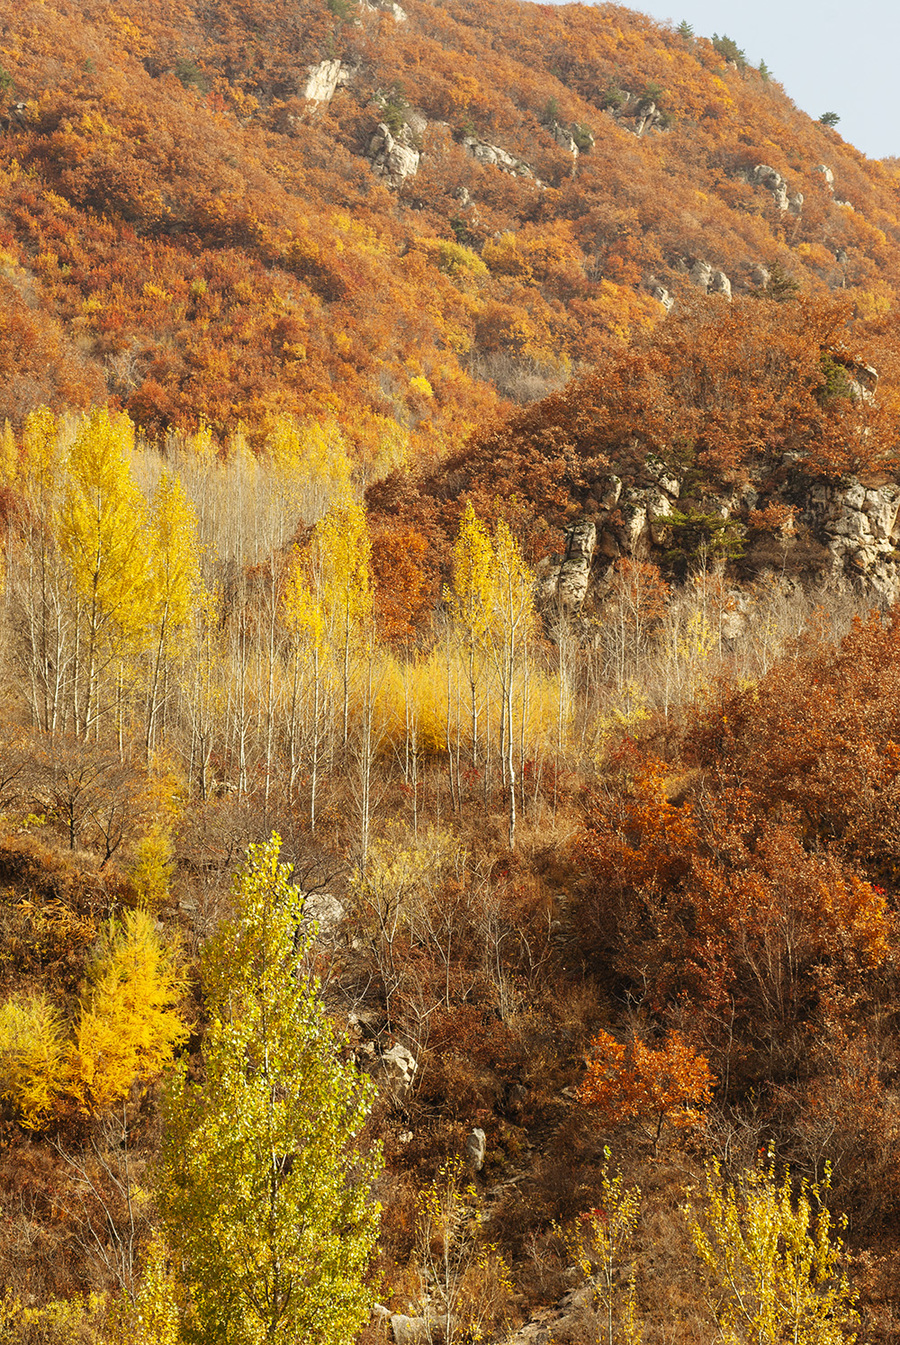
(129, 1024)
(31, 1057)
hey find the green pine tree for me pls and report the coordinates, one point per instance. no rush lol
(265, 1194)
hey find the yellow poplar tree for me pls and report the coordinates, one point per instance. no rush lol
(304, 618)
(129, 1022)
(41, 448)
(774, 1267)
(471, 602)
(342, 567)
(174, 583)
(312, 463)
(513, 619)
(102, 534)
(265, 1178)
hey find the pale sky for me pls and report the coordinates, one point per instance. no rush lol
(828, 56)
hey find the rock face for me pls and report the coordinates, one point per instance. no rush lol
(394, 1071)
(828, 175)
(845, 534)
(567, 141)
(325, 911)
(567, 583)
(660, 293)
(476, 1148)
(398, 14)
(648, 117)
(564, 138)
(636, 114)
(393, 157)
(767, 176)
(861, 531)
(708, 279)
(764, 175)
(324, 81)
(495, 157)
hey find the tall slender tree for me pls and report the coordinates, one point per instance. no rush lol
(266, 1190)
(101, 528)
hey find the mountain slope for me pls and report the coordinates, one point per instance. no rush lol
(201, 219)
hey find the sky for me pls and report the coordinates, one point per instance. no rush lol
(829, 56)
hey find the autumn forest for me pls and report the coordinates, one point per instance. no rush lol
(450, 743)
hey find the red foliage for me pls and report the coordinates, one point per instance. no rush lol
(774, 872)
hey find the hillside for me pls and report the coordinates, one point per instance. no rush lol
(453, 448)
(202, 220)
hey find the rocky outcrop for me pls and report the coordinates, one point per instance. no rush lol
(861, 532)
(493, 156)
(566, 582)
(764, 175)
(394, 1070)
(325, 912)
(566, 140)
(393, 157)
(659, 292)
(828, 175)
(325, 79)
(398, 14)
(566, 137)
(476, 1149)
(647, 119)
(710, 280)
(845, 535)
(637, 114)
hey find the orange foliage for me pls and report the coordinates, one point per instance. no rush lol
(668, 1086)
(404, 585)
(216, 246)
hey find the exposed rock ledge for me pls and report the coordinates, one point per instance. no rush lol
(325, 79)
(764, 175)
(393, 157)
(494, 156)
(844, 534)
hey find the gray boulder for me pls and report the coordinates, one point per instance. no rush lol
(410, 1330)
(394, 1071)
(325, 911)
(391, 156)
(492, 156)
(476, 1148)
